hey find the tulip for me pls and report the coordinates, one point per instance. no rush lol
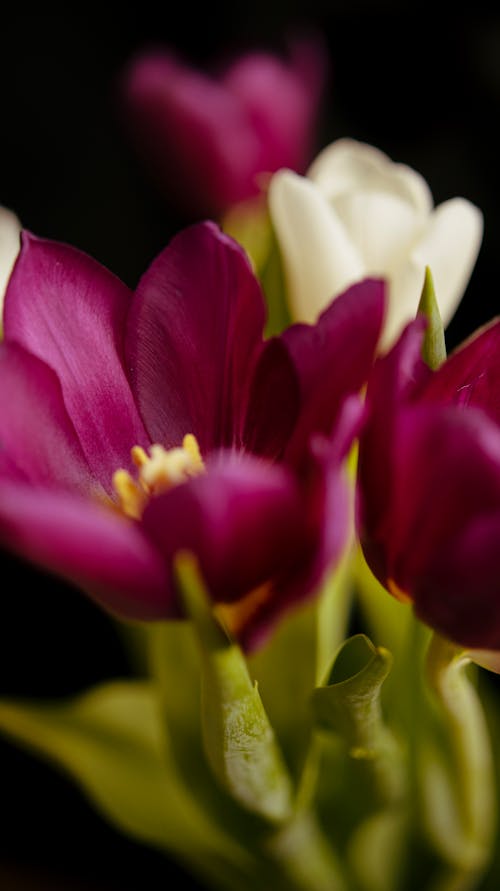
(213, 140)
(136, 426)
(10, 228)
(356, 213)
(429, 476)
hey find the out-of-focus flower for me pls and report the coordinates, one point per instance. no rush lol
(212, 141)
(356, 213)
(136, 426)
(10, 229)
(429, 471)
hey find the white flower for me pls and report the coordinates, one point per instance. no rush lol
(358, 214)
(10, 229)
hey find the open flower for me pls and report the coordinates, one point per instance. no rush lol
(429, 473)
(10, 229)
(357, 214)
(212, 140)
(134, 426)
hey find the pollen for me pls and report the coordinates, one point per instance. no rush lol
(158, 470)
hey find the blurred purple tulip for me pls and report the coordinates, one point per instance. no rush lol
(429, 474)
(213, 140)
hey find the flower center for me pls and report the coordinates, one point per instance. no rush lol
(157, 472)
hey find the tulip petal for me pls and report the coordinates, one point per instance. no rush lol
(333, 359)
(194, 334)
(471, 374)
(278, 105)
(449, 245)
(274, 403)
(89, 545)
(446, 471)
(10, 230)
(329, 519)
(36, 433)
(195, 132)
(460, 593)
(320, 260)
(347, 166)
(70, 312)
(242, 520)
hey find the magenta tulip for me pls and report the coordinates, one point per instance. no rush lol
(134, 426)
(212, 140)
(430, 484)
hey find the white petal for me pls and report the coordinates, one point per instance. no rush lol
(10, 228)
(383, 227)
(449, 246)
(347, 166)
(319, 258)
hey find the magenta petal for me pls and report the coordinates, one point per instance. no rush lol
(194, 334)
(460, 595)
(274, 403)
(196, 134)
(471, 375)
(242, 520)
(281, 101)
(328, 527)
(70, 312)
(36, 434)
(90, 546)
(334, 357)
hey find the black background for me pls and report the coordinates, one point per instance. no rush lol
(423, 87)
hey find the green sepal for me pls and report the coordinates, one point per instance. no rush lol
(111, 742)
(433, 346)
(239, 741)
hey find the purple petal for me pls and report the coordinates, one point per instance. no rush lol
(471, 375)
(274, 403)
(328, 527)
(89, 545)
(445, 473)
(281, 101)
(193, 337)
(194, 132)
(36, 434)
(394, 379)
(70, 312)
(334, 357)
(242, 520)
(460, 596)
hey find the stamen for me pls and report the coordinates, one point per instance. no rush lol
(157, 472)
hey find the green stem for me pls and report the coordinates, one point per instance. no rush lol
(305, 856)
(467, 844)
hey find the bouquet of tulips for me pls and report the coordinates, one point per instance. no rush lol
(263, 465)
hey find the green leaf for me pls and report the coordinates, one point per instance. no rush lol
(433, 347)
(239, 741)
(349, 705)
(110, 741)
(294, 659)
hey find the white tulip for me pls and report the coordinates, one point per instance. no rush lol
(358, 214)
(10, 229)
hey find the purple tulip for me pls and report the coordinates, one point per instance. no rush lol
(136, 425)
(213, 140)
(429, 474)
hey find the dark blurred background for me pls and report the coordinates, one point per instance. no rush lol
(424, 88)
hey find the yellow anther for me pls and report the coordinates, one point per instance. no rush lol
(190, 444)
(139, 456)
(130, 496)
(157, 472)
